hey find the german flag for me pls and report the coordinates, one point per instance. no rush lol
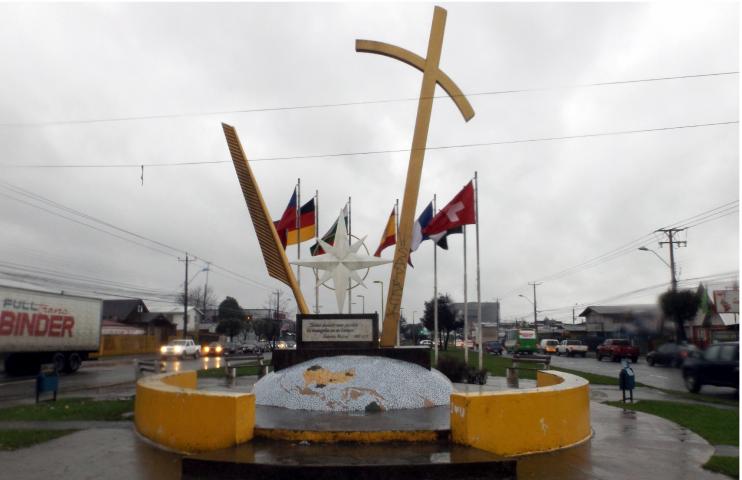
(389, 237)
(307, 226)
(287, 221)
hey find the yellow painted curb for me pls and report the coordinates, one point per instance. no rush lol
(170, 411)
(552, 416)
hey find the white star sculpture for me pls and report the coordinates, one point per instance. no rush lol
(340, 262)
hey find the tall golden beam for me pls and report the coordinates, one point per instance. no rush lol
(273, 253)
(431, 76)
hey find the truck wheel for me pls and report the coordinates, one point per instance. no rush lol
(196, 355)
(58, 361)
(634, 359)
(73, 363)
(599, 356)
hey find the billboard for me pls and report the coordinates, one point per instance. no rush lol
(726, 301)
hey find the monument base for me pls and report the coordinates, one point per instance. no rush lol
(286, 358)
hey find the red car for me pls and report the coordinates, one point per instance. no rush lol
(616, 349)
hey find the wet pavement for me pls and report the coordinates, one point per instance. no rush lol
(625, 444)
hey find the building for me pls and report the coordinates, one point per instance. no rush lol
(639, 323)
(490, 315)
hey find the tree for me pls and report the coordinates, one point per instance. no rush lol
(681, 306)
(231, 318)
(447, 322)
(196, 298)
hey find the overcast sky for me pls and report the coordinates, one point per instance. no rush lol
(80, 83)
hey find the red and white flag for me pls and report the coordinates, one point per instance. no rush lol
(458, 212)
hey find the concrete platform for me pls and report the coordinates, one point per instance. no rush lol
(280, 460)
(413, 425)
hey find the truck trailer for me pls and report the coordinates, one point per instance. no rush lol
(40, 327)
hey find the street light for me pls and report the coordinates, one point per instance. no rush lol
(645, 249)
(535, 320)
(381, 284)
(363, 303)
(414, 330)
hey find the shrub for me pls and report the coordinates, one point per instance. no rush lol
(453, 368)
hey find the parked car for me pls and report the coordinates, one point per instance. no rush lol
(548, 346)
(214, 349)
(231, 348)
(671, 354)
(251, 347)
(493, 347)
(717, 365)
(571, 348)
(429, 343)
(181, 348)
(616, 349)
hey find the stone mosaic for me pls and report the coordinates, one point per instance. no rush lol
(353, 383)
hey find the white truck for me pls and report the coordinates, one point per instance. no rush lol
(571, 348)
(39, 327)
(181, 348)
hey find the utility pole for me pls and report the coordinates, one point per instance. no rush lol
(206, 289)
(185, 294)
(535, 318)
(670, 232)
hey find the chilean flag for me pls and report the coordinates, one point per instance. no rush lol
(458, 212)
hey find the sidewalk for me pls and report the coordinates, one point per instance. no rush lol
(625, 444)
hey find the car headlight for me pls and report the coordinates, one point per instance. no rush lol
(218, 349)
(178, 349)
(206, 349)
(163, 349)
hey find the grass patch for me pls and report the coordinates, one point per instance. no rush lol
(699, 397)
(497, 366)
(70, 409)
(717, 426)
(726, 465)
(221, 373)
(15, 439)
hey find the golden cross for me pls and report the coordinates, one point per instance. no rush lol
(431, 76)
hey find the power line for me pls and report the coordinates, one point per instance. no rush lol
(379, 152)
(695, 220)
(348, 104)
(57, 205)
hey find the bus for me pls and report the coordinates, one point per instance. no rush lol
(520, 341)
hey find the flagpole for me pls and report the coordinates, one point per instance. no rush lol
(466, 305)
(350, 299)
(479, 286)
(396, 236)
(298, 230)
(316, 241)
(435, 295)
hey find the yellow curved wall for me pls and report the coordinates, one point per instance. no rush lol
(171, 412)
(554, 415)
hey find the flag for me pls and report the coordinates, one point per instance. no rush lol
(422, 221)
(287, 221)
(441, 239)
(389, 237)
(329, 237)
(307, 226)
(458, 212)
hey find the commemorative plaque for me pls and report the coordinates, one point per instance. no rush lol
(337, 331)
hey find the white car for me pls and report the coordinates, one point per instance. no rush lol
(181, 348)
(571, 348)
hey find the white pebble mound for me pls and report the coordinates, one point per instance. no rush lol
(353, 383)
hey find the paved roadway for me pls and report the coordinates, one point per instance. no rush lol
(669, 378)
(114, 377)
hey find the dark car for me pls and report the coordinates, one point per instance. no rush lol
(717, 365)
(231, 348)
(494, 348)
(251, 347)
(671, 354)
(214, 349)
